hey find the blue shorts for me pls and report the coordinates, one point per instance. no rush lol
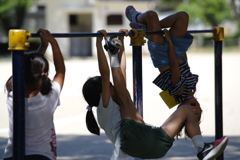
(159, 53)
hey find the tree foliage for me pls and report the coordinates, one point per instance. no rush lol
(12, 13)
(211, 12)
(235, 8)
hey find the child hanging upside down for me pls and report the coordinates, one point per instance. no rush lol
(168, 54)
(168, 51)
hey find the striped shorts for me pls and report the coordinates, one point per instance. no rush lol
(188, 80)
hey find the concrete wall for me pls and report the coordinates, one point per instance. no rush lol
(57, 17)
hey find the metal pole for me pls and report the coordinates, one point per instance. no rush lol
(17, 44)
(218, 37)
(218, 93)
(137, 78)
(137, 81)
(82, 34)
(18, 105)
(137, 41)
(189, 31)
(131, 33)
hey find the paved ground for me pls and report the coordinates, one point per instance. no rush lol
(74, 141)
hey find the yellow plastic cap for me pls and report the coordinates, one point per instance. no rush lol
(17, 39)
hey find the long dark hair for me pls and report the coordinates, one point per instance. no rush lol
(36, 67)
(91, 90)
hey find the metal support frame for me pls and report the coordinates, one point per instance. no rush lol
(137, 41)
(17, 44)
(218, 37)
(18, 105)
(131, 33)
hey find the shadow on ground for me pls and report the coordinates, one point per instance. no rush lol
(90, 147)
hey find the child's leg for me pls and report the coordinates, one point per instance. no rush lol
(128, 109)
(177, 22)
(131, 14)
(149, 19)
(183, 114)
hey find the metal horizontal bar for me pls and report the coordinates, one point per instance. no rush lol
(189, 31)
(88, 34)
(64, 35)
(202, 31)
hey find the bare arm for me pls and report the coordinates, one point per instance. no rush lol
(57, 57)
(121, 53)
(173, 61)
(43, 46)
(103, 69)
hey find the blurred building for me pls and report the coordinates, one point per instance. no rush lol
(61, 16)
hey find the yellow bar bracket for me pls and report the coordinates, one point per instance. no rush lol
(218, 34)
(17, 39)
(137, 39)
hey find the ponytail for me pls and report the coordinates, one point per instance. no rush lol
(46, 85)
(91, 122)
(91, 90)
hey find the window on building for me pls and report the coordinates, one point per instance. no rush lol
(73, 19)
(41, 8)
(114, 20)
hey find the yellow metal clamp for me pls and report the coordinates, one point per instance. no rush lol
(137, 39)
(218, 34)
(17, 39)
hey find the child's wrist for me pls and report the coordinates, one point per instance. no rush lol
(44, 44)
(52, 41)
(170, 43)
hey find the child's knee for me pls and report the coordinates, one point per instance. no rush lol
(186, 109)
(183, 15)
(151, 14)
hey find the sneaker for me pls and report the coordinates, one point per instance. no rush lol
(131, 13)
(213, 150)
(136, 25)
